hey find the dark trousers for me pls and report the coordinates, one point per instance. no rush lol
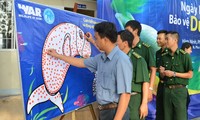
(175, 103)
(188, 100)
(110, 114)
(134, 106)
(159, 102)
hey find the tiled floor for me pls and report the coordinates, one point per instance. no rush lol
(11, 108)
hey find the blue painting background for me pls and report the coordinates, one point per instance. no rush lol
(32, 31)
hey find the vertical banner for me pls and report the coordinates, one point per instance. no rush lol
(182, 16)
(50, 86)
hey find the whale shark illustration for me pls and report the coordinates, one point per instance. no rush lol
(68, 39)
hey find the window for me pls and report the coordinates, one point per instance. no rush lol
(82, 11)
(7, 40)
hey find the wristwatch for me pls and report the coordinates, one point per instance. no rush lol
(150, 88)
(174, 74)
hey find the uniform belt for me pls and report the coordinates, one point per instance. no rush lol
(161, 81)
(107, 106)
(175, 86)
(134, 93)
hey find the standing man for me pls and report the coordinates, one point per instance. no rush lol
(138, 104)
(176, 69)
(161, 41)
(144, 50)
(114, 73)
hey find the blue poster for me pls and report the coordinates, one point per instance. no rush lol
(182, 16)
(50, 86)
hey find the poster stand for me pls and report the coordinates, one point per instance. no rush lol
(74, 114)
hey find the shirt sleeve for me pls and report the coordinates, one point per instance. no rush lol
(124, 73)
(151, 59)
(188, 63)
(91, 63)
(141, 71)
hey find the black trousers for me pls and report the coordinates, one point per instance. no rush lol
(110, 114)
(159, 102)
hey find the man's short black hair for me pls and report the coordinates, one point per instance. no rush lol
(125, 35)
(134, 24)
(174, 34)
(162, 31)
(106, 29)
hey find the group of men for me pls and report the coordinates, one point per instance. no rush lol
(175, 68)
(126, 71)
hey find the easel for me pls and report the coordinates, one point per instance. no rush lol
(74, 114)
(90, 106)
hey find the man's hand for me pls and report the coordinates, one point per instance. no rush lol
(88, 37)
(161, 70)
(78, 62)
(169, 73)
(52, 52)
(143, 110)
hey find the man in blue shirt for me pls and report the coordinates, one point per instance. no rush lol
(114, 73)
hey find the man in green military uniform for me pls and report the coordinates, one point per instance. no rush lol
(145, 50)
(176, 69)
(161, 41)
(138, 103)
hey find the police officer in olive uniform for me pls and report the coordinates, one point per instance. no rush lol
(145, 50)
(161, 41)
(140, 83)
(176, 69)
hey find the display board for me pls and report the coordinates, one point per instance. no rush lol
(50, 86)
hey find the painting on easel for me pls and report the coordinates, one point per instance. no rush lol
(50, 86)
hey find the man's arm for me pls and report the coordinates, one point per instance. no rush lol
(144, 104)
(89, 38)
(161, 71)
(122, 106)
(152, 79)
(170, 73)
(78, 62)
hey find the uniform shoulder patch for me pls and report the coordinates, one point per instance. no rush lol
(182, 51)
(146, 45)
(165, 53)
(136, 55)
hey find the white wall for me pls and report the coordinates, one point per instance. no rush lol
(91, 5)
(9, 73)
(9, 69)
